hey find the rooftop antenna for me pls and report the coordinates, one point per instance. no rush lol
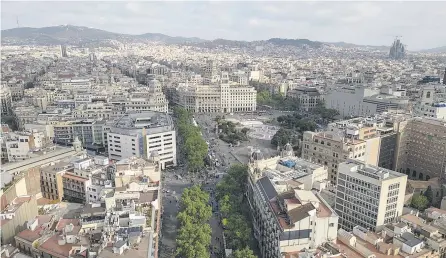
(17, 19)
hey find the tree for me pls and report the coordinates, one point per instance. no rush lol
(243, 253)
(263, 97)
(194, 206)
(327, 114)
(239, 231)
(284, 136)
(419, 202)
(194, 235)
(194, 147)
(236, 219)
(234, 182)
(193, 240)
(225, 205)
(429, 195)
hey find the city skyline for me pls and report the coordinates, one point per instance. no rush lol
(363, 23)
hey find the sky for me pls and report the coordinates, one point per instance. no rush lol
(422, 25)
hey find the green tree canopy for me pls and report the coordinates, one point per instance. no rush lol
(193, 240)
(429, 195)
(194, 206)
(239, 231)
(194, 146)
(419, 202)
(234, 210)
(243, 253)
(327, 114)
(284, 136)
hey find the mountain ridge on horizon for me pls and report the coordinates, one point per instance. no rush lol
(82, 35)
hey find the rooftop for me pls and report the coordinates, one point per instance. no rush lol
(373, 172)
(146, 120)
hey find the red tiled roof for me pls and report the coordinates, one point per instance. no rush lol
(52, 247)
(63, 222)
(74, 177)
(30, 235)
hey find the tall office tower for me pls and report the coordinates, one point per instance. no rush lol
(63, 51)
(444, 77)
(92, 57)
(368, 196)
(209, 71)
(397, 50)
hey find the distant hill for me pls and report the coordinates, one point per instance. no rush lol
(86, 36)
(435, 50)
(350, 45)
(295, 42)
(79, 35)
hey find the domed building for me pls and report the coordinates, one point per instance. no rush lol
(287, 151)
(256, 156)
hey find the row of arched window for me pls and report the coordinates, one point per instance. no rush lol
(414, 175)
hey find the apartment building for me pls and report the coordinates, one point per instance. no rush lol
(20, 145)
(432, 103)
(17, 89)
(422, 151)
(331, 148)
(89, 131)
(307, 97)
(77, 181)
(78, 84)
(222, 97)
(93, 110)
(6, 100)
(140, 134)
(368, 196)
(141, 102)
(376, 138)
(15, 215)
(288, 219)
(51, 180)
(42, 158)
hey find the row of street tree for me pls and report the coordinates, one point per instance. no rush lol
(235, 212)
(194, 235)
(276, 101)
(194, 146)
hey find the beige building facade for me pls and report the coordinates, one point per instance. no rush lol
(368, 196)
(330, 149)
(223, 97)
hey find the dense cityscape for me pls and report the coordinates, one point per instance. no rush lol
(155, 147)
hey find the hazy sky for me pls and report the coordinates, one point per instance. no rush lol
(422, 24)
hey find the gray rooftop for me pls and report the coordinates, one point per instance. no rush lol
(150, 120)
